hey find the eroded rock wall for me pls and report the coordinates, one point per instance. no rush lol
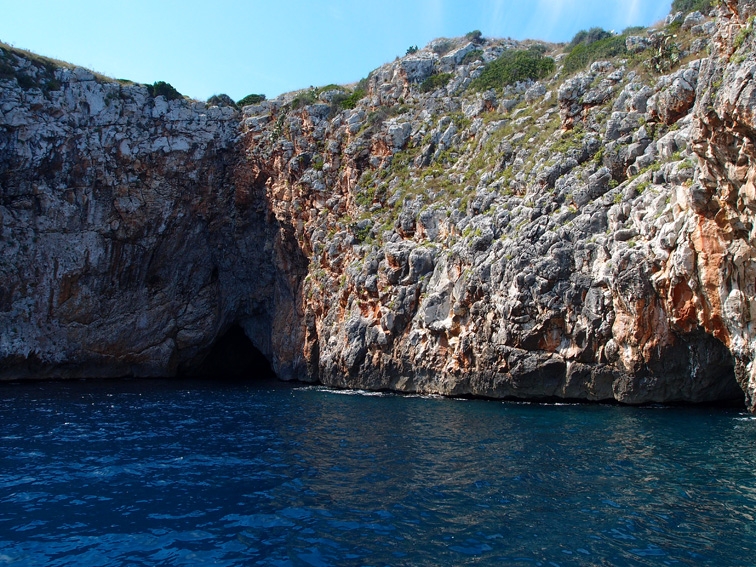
(539, 242)
(586, 236)
(722, 202)
(132, 235)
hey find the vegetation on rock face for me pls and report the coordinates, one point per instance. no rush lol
(350, 101)
(474, 36)
(251, 99)
(221, 100)
(583, 54)
(7, 71)
(474, 55)
(305, 98)
(39, 75)
(686, 6)
(513, 66)
(441, 47)
(743, 34)
(339, 99)
(584, 37)
(161, 88)
(435, 82)
(665, 54)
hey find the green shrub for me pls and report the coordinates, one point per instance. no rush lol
(584, 54)
(349, 102)
(474, 36)
(411, 49)
(251, 99)
(305, 98)
(221, 100)
(538, 48)
(584, 37)
(435, 82)
(665, 54)
(442, 47)
(513, 66)
(474, 55)
(362, 84)
(161, 88)
(634, 30)
(685, 6)
(743, 34)
(330, 87)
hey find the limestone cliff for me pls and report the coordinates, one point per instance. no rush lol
(131, 238)
(587, 235)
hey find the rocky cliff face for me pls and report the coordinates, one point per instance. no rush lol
(585, 236)
(131, 237)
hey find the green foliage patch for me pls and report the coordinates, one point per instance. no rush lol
(350, 101)
(584, 54)
(474, 55)
(743, 34)
(7, 71)
(435, 82)
(221, 100)
(474, 36)
(513, 66)
(685, 6)
(251, 99)
(305, 98)
(442, 47)
(584, 37)
(664, 54)
(161, 88)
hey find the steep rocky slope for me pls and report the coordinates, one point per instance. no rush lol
(584, 236)
(130, 237)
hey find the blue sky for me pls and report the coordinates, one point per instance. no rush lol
(254, 46)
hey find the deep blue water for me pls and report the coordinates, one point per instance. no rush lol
(192, 473)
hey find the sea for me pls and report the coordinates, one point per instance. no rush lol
(176, 472)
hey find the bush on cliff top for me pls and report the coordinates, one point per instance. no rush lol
(514, 66)
(584, 54)
(161, 88)
(221, 100)
(587, 37)
(476, 36)
(251, 99)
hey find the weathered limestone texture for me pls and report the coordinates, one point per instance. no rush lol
(586, 236)
(131, 235)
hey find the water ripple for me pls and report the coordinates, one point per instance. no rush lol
(170, 473)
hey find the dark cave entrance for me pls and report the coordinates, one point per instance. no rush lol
(234, 358)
